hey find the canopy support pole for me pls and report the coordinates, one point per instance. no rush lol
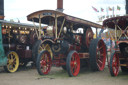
(35, 28)
(40, 28)
(61, 27)
(56, 25)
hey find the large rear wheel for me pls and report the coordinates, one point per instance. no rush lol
(73, 63)
(44, 62)
(97, 52)
(114, 64)
(12, 63)
(88, 36)
(35, 50)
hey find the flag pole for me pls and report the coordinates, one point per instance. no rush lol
(113, 11)
(107, 12)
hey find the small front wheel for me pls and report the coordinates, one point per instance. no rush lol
(44, 63)
(73, 63)
(12, 63)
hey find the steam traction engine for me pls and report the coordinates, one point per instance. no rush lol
(119, 56)
(18, 41)
(68, 43)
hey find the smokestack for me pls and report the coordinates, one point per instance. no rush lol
(60, 5)
(1, 9)
(126, 7)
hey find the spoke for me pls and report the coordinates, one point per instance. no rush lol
(42, 62)
(114, 60)
(10, 67)
(100, 47)
(46, 57)
(75, 67)
(42, 70)
(100, 61)
(113, 65)
(73, 58)
(116, 66)
(14, 63)
(46, 46)
(14, 56)
(98, 65)
(40, 48)
(76, 58)
(43, 57)
(14, 60)
(45, 68)
(101, 55)
(72, 69)
(11, 56)
(48, 63)
(9, 61)
(115, 70)
(72, 63)
(41, 66)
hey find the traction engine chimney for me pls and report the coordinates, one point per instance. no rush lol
(60, 5)
(1, 9)
(126, 7)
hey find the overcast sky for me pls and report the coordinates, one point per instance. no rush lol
(79, 8)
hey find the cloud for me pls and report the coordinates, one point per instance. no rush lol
(80, 8)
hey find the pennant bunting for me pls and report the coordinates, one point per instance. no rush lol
(95, 9)
(103, 16)
(110, 9)
(118, 8)
(102, 10)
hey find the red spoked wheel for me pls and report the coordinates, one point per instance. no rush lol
(88, 36)
(44, 63)
(73, 63)
(97, 52)
(114, 64)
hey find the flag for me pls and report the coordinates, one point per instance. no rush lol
(118, 8)
(103, 16)
(107, 16)
(102, 10)
(95, 9)
(110, 9)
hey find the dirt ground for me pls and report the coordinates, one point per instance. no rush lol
(57, 76)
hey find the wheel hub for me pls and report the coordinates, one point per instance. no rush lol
(75, 63)
(43, 62)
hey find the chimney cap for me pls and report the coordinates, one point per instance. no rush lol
(1, 17)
